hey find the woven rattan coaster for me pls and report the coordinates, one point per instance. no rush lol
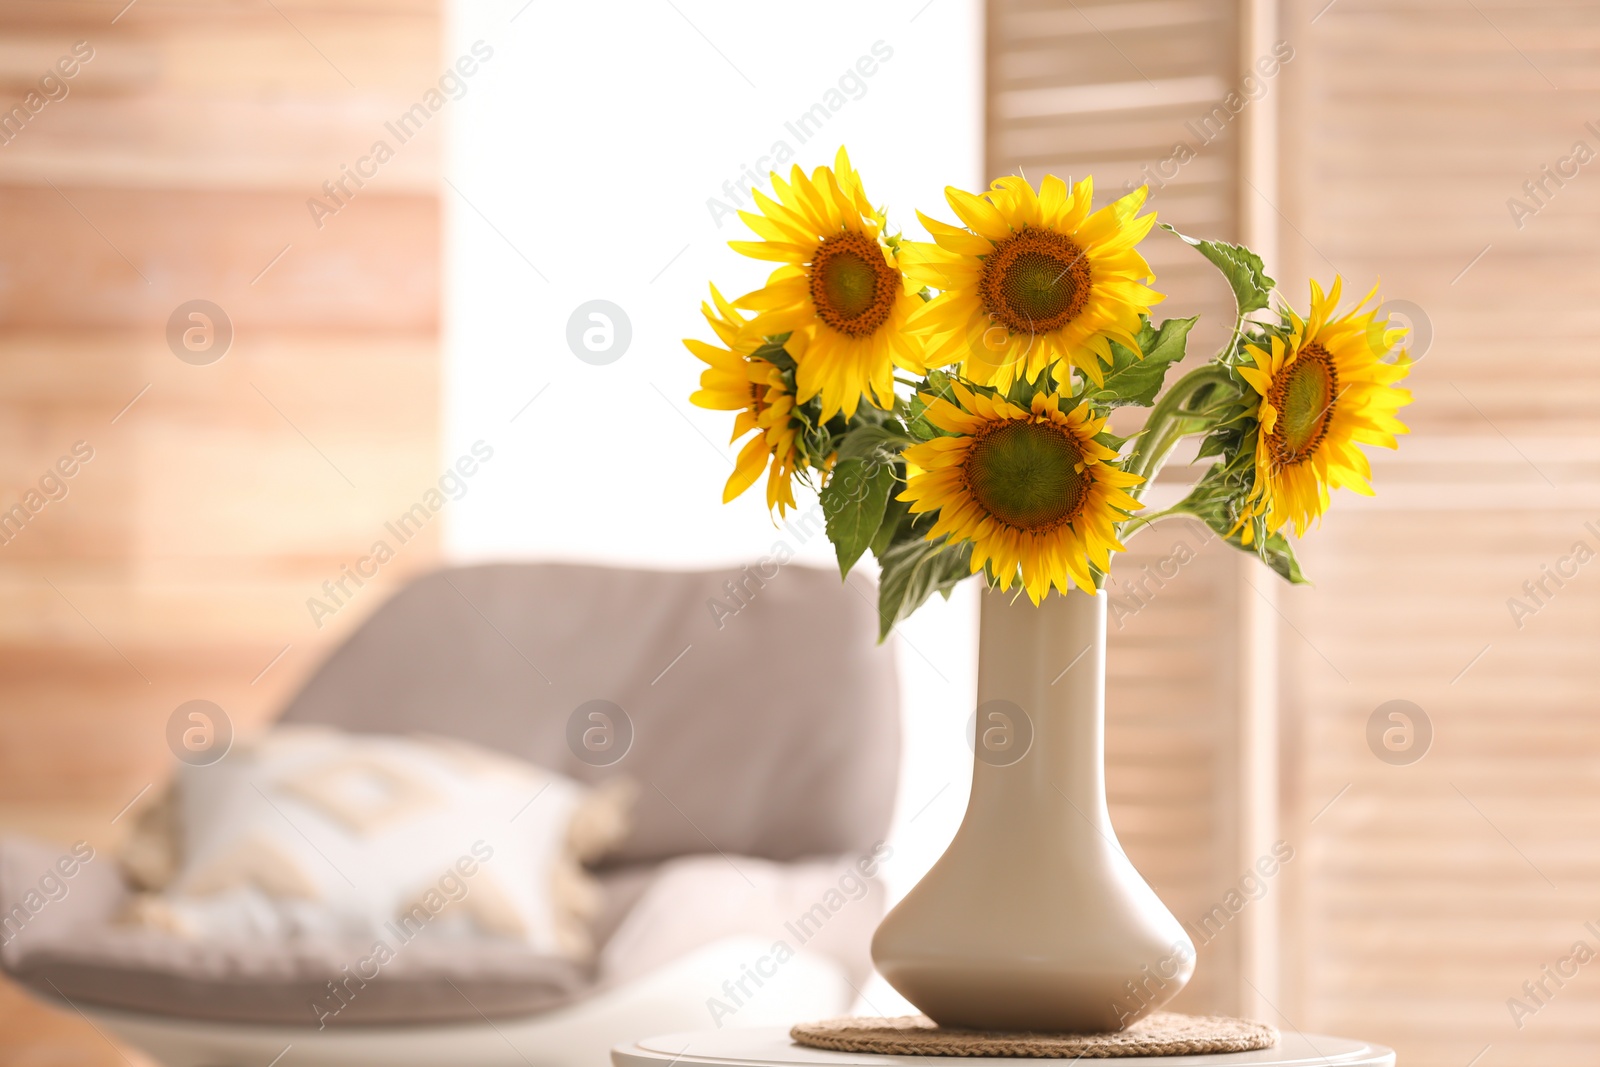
(1161, 1033)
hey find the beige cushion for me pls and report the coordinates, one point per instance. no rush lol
(312, 833)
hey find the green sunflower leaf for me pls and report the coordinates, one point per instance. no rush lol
(1023, 391)
(1276, 552)
(912, 572)
(853, 504)
(1134, 378)
(1212, 444)
(1244, 270)
(868, 440)
(1215, 500)
(895, 515)
(937, 383)
(1111, 440)
(772, 350)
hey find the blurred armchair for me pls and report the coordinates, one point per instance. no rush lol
(756, 718)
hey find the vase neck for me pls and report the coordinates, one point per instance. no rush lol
(1039, 737)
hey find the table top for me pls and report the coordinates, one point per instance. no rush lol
(771, 1047)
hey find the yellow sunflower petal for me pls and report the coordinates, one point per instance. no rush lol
(1031, 490)
(1324, 391)
(1037, 281)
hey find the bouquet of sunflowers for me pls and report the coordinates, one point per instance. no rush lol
(950, 400)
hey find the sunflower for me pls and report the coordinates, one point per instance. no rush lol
(738, 379)
(1324, 389)
(1030, 488)
(1033, 280)
(841, 282)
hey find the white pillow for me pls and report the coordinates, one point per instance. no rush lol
(314, 833)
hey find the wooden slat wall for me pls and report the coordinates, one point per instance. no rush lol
(1170, 773)
(179, 563)
(1426, 895)
(1106, 88)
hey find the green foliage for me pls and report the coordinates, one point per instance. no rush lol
(913, 570)
(912, 567)
(896, 514)
(1276, 552)
(1217, 500)
(1246, 274)
(1022, 391)
(937, 383)
(1197, 403)
(853, 504)
(883, 441)
(773, 352)
(1134, 378)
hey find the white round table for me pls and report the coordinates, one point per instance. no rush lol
(771, 1047)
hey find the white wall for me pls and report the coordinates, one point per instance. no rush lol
(584, 154)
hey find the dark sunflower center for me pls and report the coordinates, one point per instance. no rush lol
(852, 285)
(1304, 393)
(1035, 281)
(1026, 475)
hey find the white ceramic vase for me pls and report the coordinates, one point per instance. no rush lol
(1034, 919)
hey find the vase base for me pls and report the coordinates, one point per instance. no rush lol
(1026, 1003)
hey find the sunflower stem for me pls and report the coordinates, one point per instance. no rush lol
(1233, 339)
(1139, 522)
(1169, 423)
